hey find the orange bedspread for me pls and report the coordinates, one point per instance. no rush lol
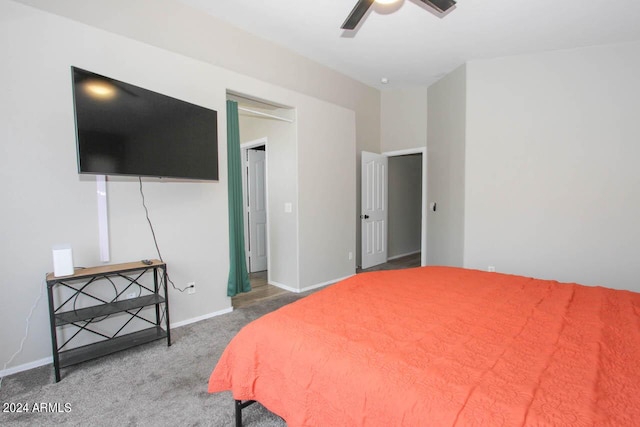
(437, 346)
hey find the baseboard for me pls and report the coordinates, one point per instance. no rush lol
(26, 366)
(307, 288)
(285, 287)
(203, 317)
(403, 255)
(49, 360)
(320, 285)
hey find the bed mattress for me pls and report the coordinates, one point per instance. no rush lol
(443, 346)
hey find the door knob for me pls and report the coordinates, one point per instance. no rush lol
(364, 216)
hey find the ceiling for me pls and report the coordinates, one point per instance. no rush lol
(410, 44)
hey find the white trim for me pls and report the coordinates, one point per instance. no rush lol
(405, 152)
(285, 287)
(309, 288)
(203, 317)
(103, 217)
(26, 366)
(423, 237)
(330, 282)
(260, 113)
(402, 255)
(254, 143)
(296, 211)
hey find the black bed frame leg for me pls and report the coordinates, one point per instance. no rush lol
(240, 405)
(238, 413)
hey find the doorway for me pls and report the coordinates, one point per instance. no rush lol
(422, 152)
(254, 189)
(404, 225)
(375, 192)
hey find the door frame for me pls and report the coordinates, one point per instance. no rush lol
(244, 147)
(423, 232)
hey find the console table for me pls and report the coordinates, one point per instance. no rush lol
(139, 292)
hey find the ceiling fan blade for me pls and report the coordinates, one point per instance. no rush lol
(440, 5)
(356, 14)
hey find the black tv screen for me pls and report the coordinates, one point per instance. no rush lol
(122, 129)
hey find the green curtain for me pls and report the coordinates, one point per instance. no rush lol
(238, 276)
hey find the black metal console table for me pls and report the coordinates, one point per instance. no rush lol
(125, 305)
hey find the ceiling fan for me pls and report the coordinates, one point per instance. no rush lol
(363, 5)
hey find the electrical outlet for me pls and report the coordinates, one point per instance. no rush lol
(491, 269)
(191, 288)
(131, 295)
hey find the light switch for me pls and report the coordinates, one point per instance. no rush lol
(288, 207)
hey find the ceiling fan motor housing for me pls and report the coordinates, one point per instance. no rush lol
(362, 6)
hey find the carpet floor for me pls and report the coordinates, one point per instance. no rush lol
(149, 385)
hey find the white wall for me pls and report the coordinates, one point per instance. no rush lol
(326, 195)
(446, 169)
(46, 202)
(174, 26)
(177, 27)
(552, 177)
(403, 118)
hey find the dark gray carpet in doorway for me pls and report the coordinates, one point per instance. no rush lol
(150, 385)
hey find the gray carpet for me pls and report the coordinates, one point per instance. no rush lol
(150, 385)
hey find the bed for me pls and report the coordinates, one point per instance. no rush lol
(442, 346)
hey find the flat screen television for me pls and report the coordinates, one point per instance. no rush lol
(122, 129)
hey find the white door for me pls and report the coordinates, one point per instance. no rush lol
(257, 210)
(374, 209)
